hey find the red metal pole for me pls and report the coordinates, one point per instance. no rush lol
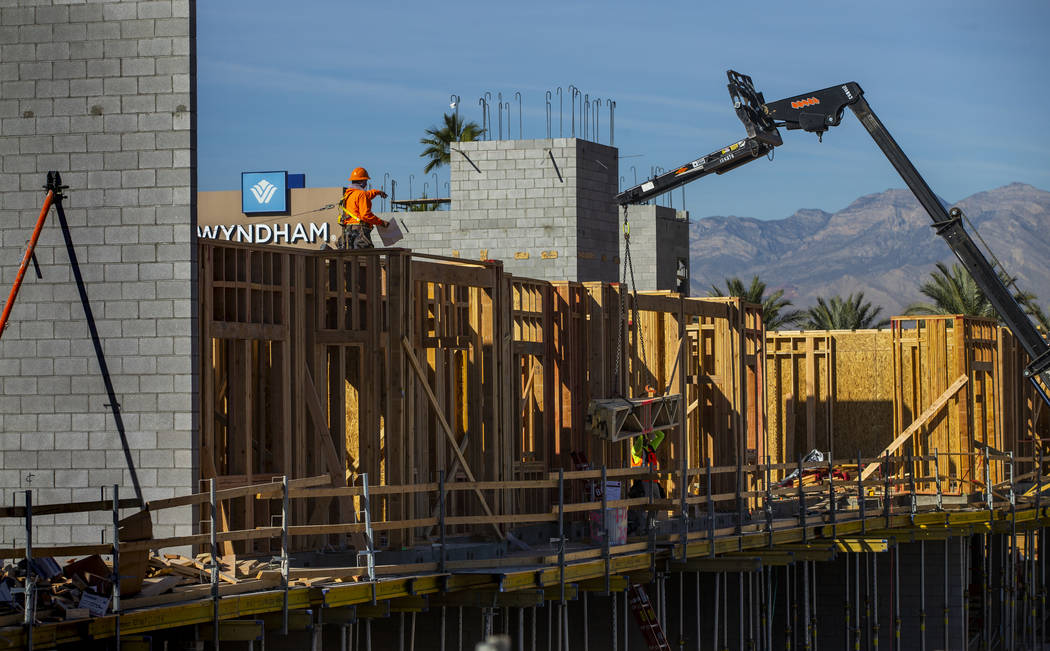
(25, 260)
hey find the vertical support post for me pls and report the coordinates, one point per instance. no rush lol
(1013, 555)
(284, 557)
(710, 516)
(806, 642)
(1042, 584)
(116, 563)
(370, 549)
(586, 629)
(946, 588)
(762, 596)
(604, 528)
(813, 612)
(626, 618)
(698, 620)
(738, 529)
(937, 476)
(740, 610)
(831, 494)
(718, 603)
(987, 483)
(897, 597)
(214, 565)
(801, 500)
(860, 498)
(30, 589)
(846, 603)
(875, 601)
(561, 537)
(857, 633)
(964, 582)
(767, 504)
(911, 486)
(613, 629)
(441, 521)
(922, 595)
(986, 589)
(886, 489)
(789, 610)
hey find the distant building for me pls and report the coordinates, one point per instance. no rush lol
(546, 208)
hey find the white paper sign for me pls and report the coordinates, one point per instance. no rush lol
(392, 234)
(97, 605)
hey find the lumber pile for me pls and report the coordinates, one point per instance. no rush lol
(84, 587)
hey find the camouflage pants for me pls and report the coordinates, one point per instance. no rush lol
(355, 236)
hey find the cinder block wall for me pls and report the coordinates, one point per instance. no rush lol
(544, 207)
(103, 93)
(659, 241)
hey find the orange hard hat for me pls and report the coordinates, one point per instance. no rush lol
(359, 174)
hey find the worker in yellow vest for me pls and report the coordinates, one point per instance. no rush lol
(643, 453)
(356, 216)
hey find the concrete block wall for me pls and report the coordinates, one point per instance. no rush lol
(103, 93)
(659, 243)
(544, 207)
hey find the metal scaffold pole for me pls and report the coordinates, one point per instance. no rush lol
(875, 601)
(213, 535)
(116, 566)
(896, 597)
(922, 595)
(947, 590)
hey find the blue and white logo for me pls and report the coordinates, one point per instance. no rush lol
(264, 192)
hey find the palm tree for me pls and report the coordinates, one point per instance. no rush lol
(775, 314)
(850, 313)
(955, 292)
(1039, 315)
(440, 139)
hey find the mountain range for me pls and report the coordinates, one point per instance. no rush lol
(881, 244)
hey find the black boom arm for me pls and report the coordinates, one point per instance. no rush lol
(816, 112)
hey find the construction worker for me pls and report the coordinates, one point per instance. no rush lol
(643, 453)
(356, 216)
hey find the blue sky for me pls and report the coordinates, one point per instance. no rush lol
(323, 86)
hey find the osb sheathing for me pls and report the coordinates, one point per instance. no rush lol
(830, 390)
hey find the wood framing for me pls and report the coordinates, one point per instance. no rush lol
(407, 368)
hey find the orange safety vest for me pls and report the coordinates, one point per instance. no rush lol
(356, 207)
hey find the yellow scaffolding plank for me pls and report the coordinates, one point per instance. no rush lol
(233, 630)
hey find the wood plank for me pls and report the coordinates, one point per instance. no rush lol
(265, 331)
(925, 416)
(457, 274)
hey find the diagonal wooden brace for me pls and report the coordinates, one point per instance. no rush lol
(447, 428)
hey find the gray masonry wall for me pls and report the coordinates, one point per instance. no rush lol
(102, 92)
(659, 247)
(544, 207)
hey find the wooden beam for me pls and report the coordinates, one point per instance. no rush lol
(926, 415)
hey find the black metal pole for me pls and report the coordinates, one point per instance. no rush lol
(100, 355)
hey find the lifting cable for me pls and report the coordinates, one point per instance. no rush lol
(633, 288)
